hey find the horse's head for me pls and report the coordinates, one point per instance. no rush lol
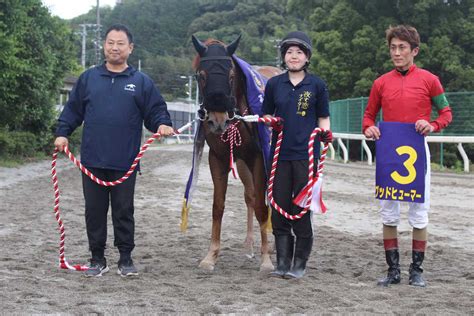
(216, 72)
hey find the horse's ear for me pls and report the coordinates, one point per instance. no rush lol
(232, 47)
(198, 45)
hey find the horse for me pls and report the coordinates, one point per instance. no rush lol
(222, 90)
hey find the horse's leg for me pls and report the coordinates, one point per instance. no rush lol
(249, 194)
(219, 173)
(261, 211)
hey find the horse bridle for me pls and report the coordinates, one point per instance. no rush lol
(202, 112)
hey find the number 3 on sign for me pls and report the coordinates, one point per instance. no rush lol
(409, 165)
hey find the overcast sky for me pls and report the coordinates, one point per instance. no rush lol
(68, 9)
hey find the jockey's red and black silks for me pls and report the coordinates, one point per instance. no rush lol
(407, 99)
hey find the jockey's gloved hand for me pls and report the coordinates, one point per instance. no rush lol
(277, 126)
(326, 136)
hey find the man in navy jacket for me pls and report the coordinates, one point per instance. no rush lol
(113, 101)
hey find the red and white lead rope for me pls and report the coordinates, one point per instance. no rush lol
(311, 177)
(63, 263)
(233, 137)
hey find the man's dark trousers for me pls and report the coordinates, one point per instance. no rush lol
(97, 199)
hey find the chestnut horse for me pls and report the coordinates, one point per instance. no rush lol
(222, 89)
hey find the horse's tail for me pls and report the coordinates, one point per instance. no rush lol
(268, 225)
(184, 215)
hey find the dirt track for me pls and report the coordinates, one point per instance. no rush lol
(343, 269)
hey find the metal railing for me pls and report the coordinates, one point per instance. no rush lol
(430, 139)
(347, 114)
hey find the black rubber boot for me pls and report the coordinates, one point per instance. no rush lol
(393, 276)
(416, 277)
(284, 245)
(302, 250)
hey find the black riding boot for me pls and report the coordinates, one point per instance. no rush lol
(302, 251)
(284, 247)
(416, 278)
(393, 276)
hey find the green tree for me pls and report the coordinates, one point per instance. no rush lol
(348, 35)
(261, 23)
(351, 49)
(160, 35)
(163, 29)
(36, 53)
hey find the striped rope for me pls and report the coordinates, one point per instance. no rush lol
(233, 137)
(311, 177)
(63, 263)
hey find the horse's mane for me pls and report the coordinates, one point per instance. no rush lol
(208, 42)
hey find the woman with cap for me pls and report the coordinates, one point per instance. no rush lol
(301, 100)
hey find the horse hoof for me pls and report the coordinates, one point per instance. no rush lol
(248, 246)
(205, 265)
(266, 268)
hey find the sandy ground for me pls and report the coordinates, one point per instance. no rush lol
(341, 277)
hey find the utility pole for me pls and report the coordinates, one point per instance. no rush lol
(97, 47)
(190, 87)
(83, 34)
(190, 93)
(276, 44)
(190, 99)
(196, 105)
(278, 59)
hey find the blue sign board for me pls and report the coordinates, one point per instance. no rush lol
(400, 163)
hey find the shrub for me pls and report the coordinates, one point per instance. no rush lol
(5, 143)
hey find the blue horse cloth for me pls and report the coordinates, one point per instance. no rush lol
(255, 92)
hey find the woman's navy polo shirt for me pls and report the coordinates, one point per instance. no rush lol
(300, 107)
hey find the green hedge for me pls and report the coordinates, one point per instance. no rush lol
(15, 145)
(18, 144)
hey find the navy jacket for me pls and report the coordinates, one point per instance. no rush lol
(300, 107)
(113, 107)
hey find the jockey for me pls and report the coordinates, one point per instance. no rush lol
(301, 100)
(406, 94)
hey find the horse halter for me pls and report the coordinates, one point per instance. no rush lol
(215, 74)
(215, 79)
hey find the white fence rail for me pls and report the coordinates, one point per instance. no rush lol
(431, 139)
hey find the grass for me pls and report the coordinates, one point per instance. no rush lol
(457, 168)
(10, 162)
